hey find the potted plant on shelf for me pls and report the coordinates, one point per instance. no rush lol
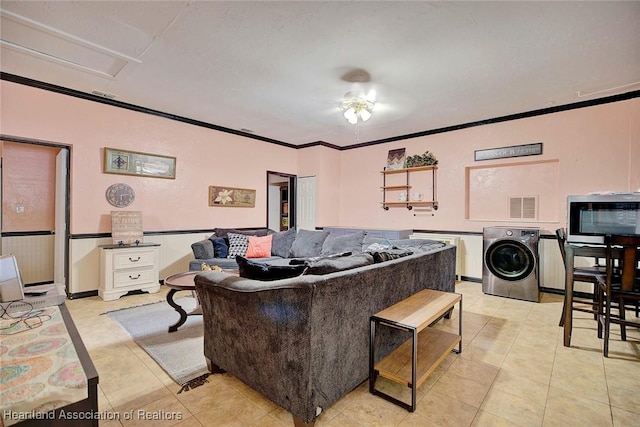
(426, 159)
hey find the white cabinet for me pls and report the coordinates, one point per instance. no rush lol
(128, 268)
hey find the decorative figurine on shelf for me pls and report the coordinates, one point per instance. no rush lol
(426, 159)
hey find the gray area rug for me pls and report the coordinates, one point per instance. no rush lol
(180, 353)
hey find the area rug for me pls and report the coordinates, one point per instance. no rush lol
(180, 353)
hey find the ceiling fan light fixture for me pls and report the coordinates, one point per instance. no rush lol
(351, 115)
(357, 109)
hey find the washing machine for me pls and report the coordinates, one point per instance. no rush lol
(511, 262)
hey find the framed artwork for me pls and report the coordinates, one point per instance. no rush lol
(141, 164)
(232, 197)
(395, 159)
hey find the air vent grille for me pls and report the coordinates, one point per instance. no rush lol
(523, 207)
(103, 94)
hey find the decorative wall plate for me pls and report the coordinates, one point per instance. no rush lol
(120, 195)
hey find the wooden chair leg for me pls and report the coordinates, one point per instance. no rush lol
(607, 324)
(561, 323)
(623, 327)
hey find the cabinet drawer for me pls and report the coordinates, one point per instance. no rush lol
(133, 259)
(132, 277)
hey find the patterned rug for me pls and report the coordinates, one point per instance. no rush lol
(180, 353)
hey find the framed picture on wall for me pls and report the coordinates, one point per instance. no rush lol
(395, 159)
(136, 163)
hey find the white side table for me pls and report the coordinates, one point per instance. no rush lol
(128, 268)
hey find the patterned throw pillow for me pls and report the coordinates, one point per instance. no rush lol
(238, 244)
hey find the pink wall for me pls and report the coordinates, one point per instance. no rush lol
(204, 157)
(595, 148)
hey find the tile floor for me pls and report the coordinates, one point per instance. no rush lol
(513, 371)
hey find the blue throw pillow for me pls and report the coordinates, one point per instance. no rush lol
(220, 248)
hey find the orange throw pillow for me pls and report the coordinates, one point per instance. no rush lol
(259, 247)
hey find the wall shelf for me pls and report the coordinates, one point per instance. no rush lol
(408, 203)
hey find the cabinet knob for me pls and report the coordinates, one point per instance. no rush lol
(134, 260)
(134, 278)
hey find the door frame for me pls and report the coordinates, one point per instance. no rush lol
(291, 183)
(64, 198)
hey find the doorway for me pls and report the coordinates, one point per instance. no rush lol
(281, 201)
(35, 180)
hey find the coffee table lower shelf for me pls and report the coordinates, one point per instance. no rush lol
(414, 360)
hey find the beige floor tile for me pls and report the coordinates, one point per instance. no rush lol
(415, 420)
(625, 397)
(230, 412)
(486, 419)
(445, 411)
(519, 410)
(483, 373)
(568, 409)
(162, 412)
(534, 370)
(370, 410)
(513, 383)
(586, 380)
(268, 421)
(622, 418)
(461, 388)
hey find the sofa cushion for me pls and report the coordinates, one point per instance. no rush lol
(389, 254)
(238, 244)
(220, 247)
(331, 265)
(281, 243)
(308, 243)
(260, 271)
(335, 243)
(203, 249)
(259, 247)
(224, 232)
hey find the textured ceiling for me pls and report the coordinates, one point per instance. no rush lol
(277, 68)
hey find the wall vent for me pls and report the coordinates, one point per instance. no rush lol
(103, 94)
(523, 207)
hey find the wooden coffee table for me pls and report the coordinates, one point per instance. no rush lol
(184, 282)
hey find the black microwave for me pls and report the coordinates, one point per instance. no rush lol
(591, 217)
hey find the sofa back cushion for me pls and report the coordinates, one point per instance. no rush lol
(308, 243)
(331, 265)
(203, 249)
(335, 243)
(260, 271)
(223, 232)
(281, 243)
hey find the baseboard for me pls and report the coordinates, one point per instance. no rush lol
(470, 279)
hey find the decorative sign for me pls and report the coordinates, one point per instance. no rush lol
(506, 152)
(126, 227)
(395, 159)
(232, 197)
(141, 164)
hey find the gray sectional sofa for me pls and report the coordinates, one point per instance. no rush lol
(303, 342)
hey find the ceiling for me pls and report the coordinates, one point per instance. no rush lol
(279, 70)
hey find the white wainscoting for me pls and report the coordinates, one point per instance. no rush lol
(175, 254)
(34, 255)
